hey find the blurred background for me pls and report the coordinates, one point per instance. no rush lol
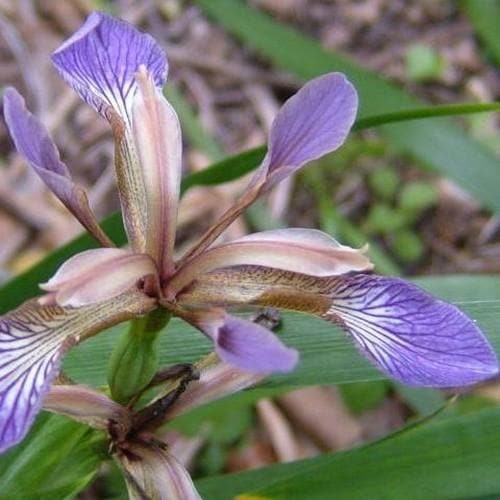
(226, 94)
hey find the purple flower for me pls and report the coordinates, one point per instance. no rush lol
(409, 335)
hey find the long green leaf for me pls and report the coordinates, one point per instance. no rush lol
(57, 459)
(448, 458)
(435, 142)
(485, 17)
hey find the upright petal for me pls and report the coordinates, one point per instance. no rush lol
(33, 339)
(313, 122)
(101, 59)
(157, 135)
(97, 275)
(32, 140)
(100, 62)
(152, 472)
(307, 251)
(410, 335)
(246, 345)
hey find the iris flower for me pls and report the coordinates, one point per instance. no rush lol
(409, 335)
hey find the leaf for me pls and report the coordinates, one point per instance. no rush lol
(484, 16)
(57, 460)
(442, 459)
(436, 142)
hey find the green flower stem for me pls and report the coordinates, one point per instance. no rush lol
(134, 360)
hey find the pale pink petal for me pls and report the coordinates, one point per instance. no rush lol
(157, 135)
(306, 251)
(96, 275)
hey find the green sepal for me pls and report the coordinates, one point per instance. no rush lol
(134, 360)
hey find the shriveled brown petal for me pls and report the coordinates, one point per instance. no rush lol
(151, 472)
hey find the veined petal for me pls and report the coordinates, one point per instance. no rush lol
(410, 335)
(33, 141)
(313, 122)
(307, 251)
(86, 405)
(33, 339)
(101, 59)
(96, 275)
(157, 135)
(246, 345)
(152, 472)
(100, 62)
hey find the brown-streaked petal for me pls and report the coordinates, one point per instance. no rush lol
(33, 339)
(157, 135)
(307, 251)
(86, 405)
(96, 275)
(407, 333)
(33, 141)
(151, 472)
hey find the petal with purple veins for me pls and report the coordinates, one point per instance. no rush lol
(32, 140)
(246, 345)
(313, 122)
(33, 339)
(410, 335)
(101, 59)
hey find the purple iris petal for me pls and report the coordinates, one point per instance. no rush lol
(249, 346)
(410, 335)
(100, 61)
(315, 121)
(30, 356)
(33, 141)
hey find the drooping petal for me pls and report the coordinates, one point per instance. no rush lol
(101, 59)
(246, 345)
(152, 472)
(33, 339)
(86, 405)
(32, 140)
(307, 251)
(313, 122)
(410, 335)
(100, 62)
(96, 275)
(157, 135)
